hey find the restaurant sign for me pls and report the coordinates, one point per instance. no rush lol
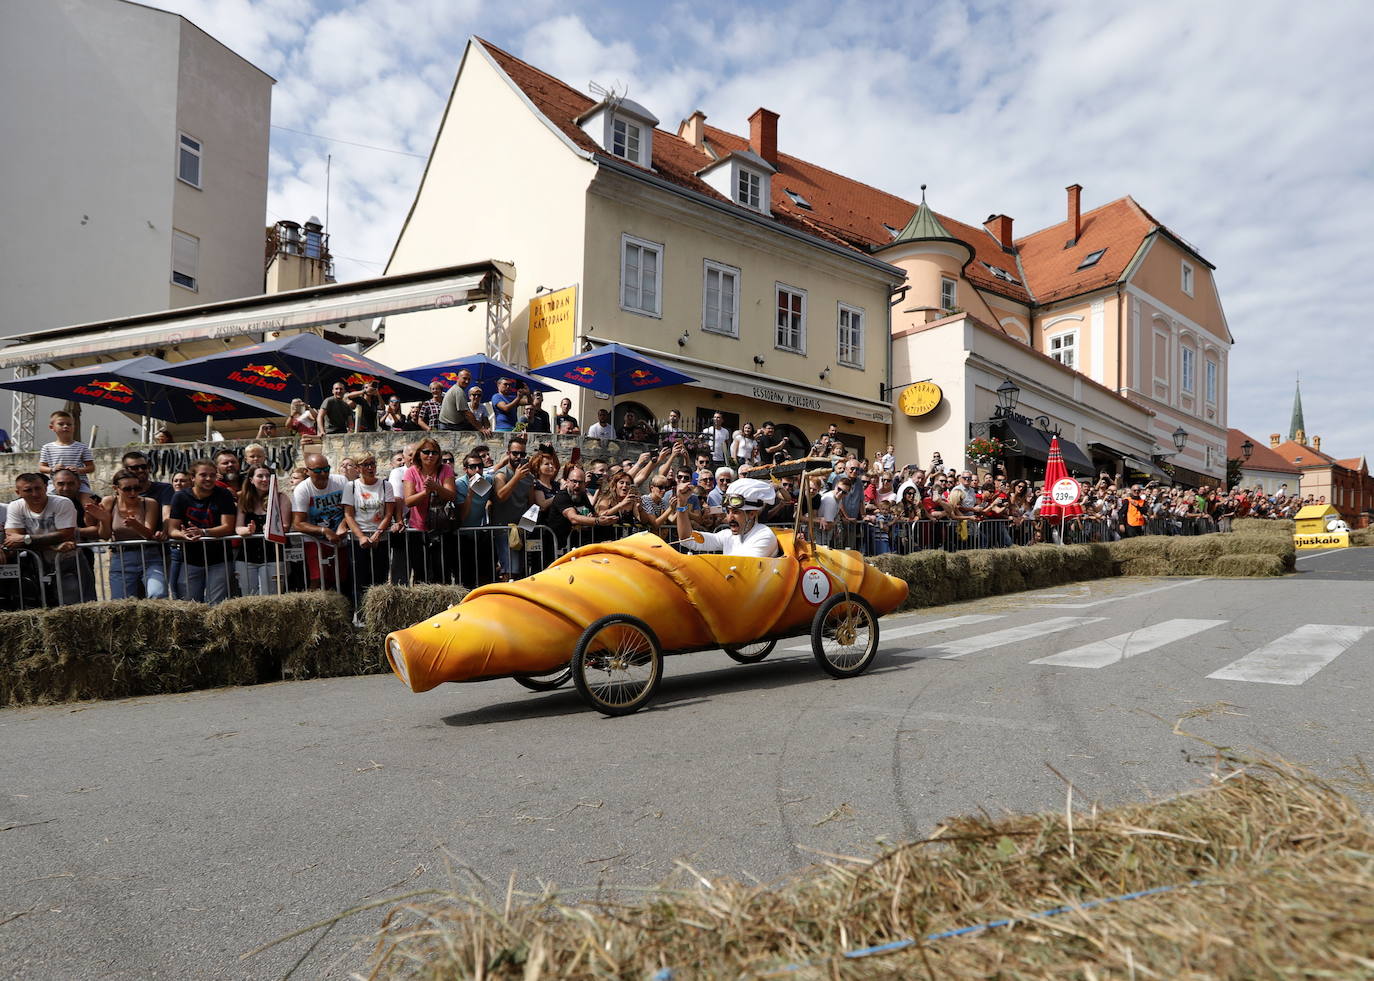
(920, 399)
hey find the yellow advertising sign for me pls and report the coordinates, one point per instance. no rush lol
(919, 399)
(1331, 539)
(553, 318)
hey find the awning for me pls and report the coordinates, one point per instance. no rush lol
(772, 390)
(1147, 469)
(315, 306)
(1034, 443)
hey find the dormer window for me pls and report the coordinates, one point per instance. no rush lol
(623, 128)
(626, 139)
(800, 201)
(744, 178)
(747, 190)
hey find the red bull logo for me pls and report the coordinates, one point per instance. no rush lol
(267, 376)
(639, 378)
(358, 379)
(348, 359)
(107, 391)
(209, 403)
(581, 375)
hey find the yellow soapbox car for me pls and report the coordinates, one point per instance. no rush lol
(606, 614)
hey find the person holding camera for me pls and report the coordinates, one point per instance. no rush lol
(505, 407)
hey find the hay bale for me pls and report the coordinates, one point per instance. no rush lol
(388, 608)
(1243, 566)
(21, 636)
(1262, 872)
(98, 650)
(1362, 536)
(1276, 527)
(261, 638)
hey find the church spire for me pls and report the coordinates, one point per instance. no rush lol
(1296, 430)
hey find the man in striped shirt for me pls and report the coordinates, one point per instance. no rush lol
(66, 452)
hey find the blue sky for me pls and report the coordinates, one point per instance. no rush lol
(1245, 127)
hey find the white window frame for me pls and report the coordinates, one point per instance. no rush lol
(644, 245)
(634, 132)
(949, 287)
(193, 244)
(749, 188)
(1186, 277)
(793, 291)
(196, 151)
(1067, 341)
(721, 270)
(851, 354)
(1187, 364)
(1212, 370)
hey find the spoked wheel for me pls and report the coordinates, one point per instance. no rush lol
(844, 635)
(546, 682)
(752, 653)
(617, 664)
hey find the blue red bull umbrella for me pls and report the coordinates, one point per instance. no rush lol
(300, 366)
(485, 372)
(137, 386)
(613, 370)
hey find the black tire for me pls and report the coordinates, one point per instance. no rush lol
(752, 653)
(547, 681)
(617, 665)
(844, 635)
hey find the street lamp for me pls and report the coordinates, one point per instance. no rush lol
(1180, 439)
(1007, 396)
(1246, 449)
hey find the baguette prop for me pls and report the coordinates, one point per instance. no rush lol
(532, 625)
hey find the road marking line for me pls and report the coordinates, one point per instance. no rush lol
(1012, 635)
(1122, 646)
(929, 627)
(1294, 657)
(1117, 599)
(1313, 555)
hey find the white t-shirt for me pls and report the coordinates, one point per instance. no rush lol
(887, 463)
(746, 448)
(597, 431)
(368, 501)
(320, 507)
(760, 542)
(58, 513)
(830, 506)
(720, 439)
(74, 455)
(397, 480)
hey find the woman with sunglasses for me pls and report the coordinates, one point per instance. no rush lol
(259, 565)
(393, 418)
(136, 571)
(369, 512)
(475, 416)
(430, 488)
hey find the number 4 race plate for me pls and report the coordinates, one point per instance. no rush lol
(815, 585)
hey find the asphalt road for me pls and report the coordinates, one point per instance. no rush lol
(165, 837)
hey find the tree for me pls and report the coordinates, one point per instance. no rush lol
(1233, 472)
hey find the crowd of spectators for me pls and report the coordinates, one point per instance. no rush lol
(423, 515)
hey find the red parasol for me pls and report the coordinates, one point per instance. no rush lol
(1056, 471)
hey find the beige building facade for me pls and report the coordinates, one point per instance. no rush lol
(773, 321)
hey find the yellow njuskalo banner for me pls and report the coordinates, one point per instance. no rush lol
(553, 318)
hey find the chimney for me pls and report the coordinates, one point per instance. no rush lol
(999, 227)
(693, 129)
(1317, 443)
(1273, 440)
(763, 134)
(1075, 215)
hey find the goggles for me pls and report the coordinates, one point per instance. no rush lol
(736, 502)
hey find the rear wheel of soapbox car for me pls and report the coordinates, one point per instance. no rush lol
(618, 664)
(844, 635)
(752, 653)
(546, 682)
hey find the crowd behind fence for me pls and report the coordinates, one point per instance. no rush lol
(250, 565)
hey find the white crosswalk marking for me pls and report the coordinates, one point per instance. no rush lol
(1295, 656)
(1012, 635)
(929, 627)
(1122, 646)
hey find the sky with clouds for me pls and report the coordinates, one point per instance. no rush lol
(1244, 126)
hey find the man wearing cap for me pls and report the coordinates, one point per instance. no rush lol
(743, 534)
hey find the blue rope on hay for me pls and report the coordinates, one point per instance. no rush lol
(667, 973)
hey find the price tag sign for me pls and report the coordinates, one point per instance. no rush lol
(1066, 491)
(815, 585)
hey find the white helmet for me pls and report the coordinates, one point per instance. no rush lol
(748, 494)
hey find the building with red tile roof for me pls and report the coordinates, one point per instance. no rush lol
(1344, 484)
(1110, 292)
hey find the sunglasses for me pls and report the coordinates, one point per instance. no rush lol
(471, 466)
(517, 454)
(138, 466)
(427, 452)
(318, 469)
(367, 466)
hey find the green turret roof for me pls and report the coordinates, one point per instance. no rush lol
(1295, 425)
(923, 224)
